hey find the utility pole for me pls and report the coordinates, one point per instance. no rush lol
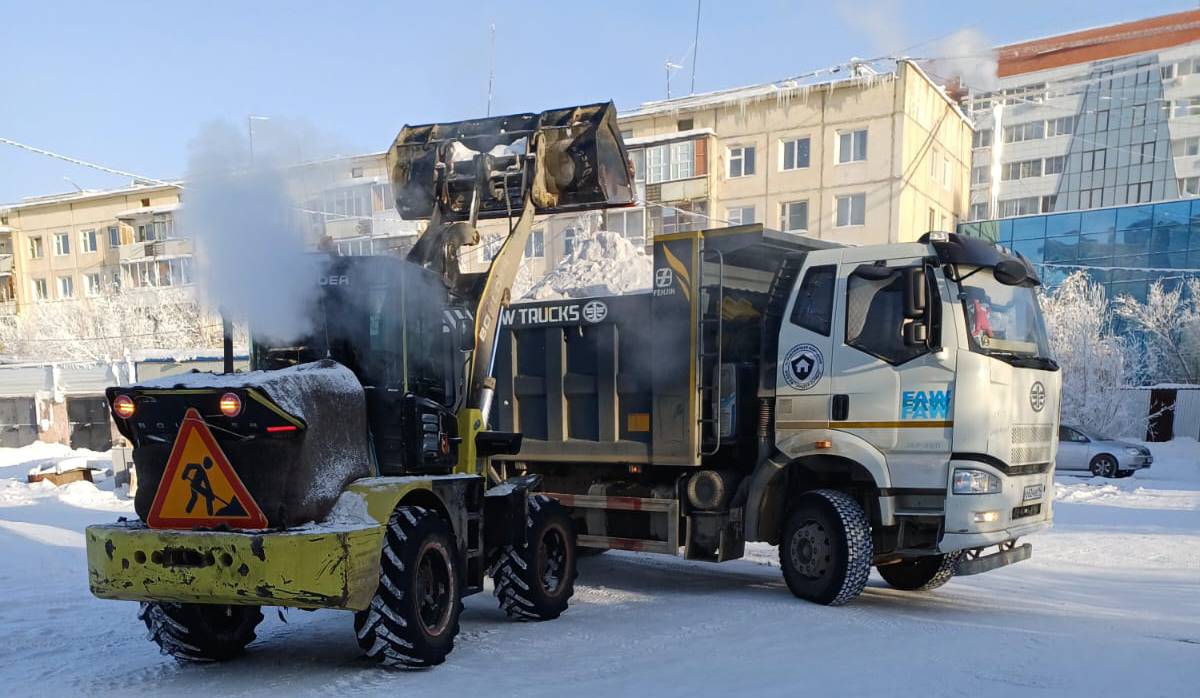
(491, 68)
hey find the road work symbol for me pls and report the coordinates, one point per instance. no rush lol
(199, 487)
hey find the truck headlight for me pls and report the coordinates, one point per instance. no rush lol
(970, 481)
(1133, 452)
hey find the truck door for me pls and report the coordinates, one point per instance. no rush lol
(893, 393)
(802, 380)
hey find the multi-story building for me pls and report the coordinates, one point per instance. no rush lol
(875, 156)
(8, 300)
(1094, 118)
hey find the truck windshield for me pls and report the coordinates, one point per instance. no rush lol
(1003, 321)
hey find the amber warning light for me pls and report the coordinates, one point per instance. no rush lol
(231, 405)
(123, 406)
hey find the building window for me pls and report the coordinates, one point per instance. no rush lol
(1021, 169)
(932, 219)
(1023, 206)
(1054, 165)
(741, 161)
(1139, 114)
(35, 248)
(1062, 126)
(946, 172)
(94, 284)
(683, 160)
(568, 241)
(679, 217)
(87, 241)
(1138, 193)
(740, 215)
(62, 244)
(66, 287)
(851, 210)
(145, 233)
(39, 289)
(1048, 202)
(631, 224)
(982, 138)
(638, 158)
(116, 279)
(1189, 186)
(672, 161)
(795, 154)
(1093, 160)
(1167, 71)
(793, 216)
(1032, 131)
(979, 212)
(852, 146)
(980, 175)
(1185, 147)
(685, 124)
(1144, 155)
(535, 246)
(933, 163)
(114, 236)
(626, 134)
(1091, 198)
(356, 172)
(1102, 120)
(1184, 107)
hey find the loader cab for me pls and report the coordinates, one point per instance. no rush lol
(400, 331)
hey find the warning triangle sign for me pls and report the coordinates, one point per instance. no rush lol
(199, 487)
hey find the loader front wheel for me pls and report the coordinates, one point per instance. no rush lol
(413, 619)
(920, 573)
(535, 581)
(826, 548)
(193, 632)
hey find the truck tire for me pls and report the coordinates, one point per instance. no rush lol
(413, 619)
(826, 549)
(193, 632)
(536, 581)
(920, 573)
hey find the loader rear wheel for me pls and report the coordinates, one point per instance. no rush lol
(920, 573)
(536, 581)
(413, 619)
(193, 632)
(826, 549)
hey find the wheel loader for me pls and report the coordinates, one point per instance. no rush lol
(348, 468)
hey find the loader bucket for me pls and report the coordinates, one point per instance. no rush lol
(568, 159)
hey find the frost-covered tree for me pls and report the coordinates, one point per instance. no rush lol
(105, 327)
(1169, 320)
(1097, 366)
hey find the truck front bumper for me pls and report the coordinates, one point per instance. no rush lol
(1025, 505)
(334, 567)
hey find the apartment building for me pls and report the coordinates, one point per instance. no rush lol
(73, 245)
(1093, 118)
(8, 300)
(871, 154)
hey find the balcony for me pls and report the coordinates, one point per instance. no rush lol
(156, 249)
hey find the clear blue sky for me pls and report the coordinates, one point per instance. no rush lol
(128, 84)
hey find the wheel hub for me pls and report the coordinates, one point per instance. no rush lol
(810, 550)
(433, 591)
(552, 560)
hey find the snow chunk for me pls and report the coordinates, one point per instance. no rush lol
(603, 263)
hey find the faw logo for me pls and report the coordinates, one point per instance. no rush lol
(1037, 396)
(925, 404)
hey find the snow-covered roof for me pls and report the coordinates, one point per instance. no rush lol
(67, 197)
(666, 137)
(184, 354)
(148, 210)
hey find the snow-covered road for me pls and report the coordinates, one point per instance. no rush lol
(1109, 605)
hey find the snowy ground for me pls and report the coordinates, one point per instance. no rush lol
(1109, 605)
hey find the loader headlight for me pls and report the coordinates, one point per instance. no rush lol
(970, 481)
(230, 405)
(123, 406)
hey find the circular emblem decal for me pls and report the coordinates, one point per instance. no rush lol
(1037, 396)
(802, 367)
(595, 311)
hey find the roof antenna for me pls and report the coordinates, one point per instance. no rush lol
(491, 68)
(671, 67)
(695, 48)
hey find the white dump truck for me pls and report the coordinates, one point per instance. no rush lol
(892, 406)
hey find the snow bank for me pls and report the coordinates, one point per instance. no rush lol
(17, 463)
(602, 263)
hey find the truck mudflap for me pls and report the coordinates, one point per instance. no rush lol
(339, 565)
(975, 562)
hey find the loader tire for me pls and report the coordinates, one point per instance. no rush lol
(826, 548)
(535, 581)
(413, 619)
(920, 573)
(193, 632)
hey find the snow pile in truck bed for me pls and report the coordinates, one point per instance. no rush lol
(603, 263)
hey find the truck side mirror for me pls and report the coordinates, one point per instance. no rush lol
(914, 293)
(915, 334)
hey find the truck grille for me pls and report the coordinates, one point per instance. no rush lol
(1031, 443)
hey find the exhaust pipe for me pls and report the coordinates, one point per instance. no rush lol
(227, 341)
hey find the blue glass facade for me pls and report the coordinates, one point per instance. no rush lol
(1125, 248)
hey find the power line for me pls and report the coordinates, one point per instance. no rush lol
(85, 163)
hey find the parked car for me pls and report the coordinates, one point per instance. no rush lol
(1079, 449)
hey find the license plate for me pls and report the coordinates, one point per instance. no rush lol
(1033, 492)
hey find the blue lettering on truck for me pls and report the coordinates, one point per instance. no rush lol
(925, 404)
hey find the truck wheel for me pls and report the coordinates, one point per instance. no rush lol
(413, 619)
(920, 573)
(826, 549)
(535, 581)
(193, 632)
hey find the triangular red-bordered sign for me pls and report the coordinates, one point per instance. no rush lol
(199, 487)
